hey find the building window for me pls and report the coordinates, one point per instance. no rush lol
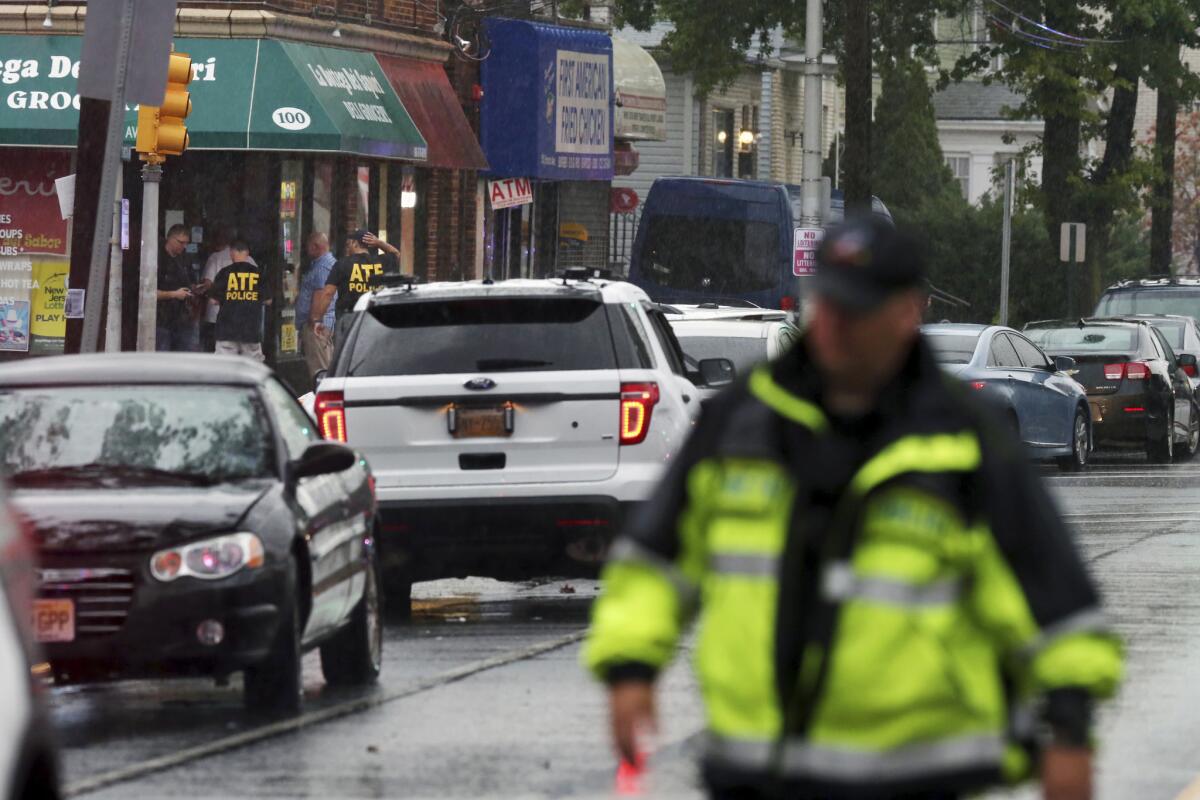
(960, 167)
(724, 139)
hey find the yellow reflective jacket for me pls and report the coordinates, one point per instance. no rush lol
(886, 603)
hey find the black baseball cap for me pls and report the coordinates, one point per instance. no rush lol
(863, 262)
(359, 235)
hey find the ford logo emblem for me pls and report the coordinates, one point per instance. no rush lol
(480, 384)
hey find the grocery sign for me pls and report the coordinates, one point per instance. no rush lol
(807, 241)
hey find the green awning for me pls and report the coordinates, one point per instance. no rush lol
(247, 94)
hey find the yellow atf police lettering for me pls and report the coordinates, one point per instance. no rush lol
(362, 275)
(242, 286)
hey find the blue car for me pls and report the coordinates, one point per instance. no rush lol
(1046, 407)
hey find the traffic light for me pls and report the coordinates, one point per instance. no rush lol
(161, 130)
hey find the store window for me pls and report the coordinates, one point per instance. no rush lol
(291, 223)
(363, 188)
(322, 195)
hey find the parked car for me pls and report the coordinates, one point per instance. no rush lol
(189, 521)
(1138, 391)
(511, 425)
(1151, 296)
(1183, 335)
(1045, 406)
(28, 767)
(744, 336)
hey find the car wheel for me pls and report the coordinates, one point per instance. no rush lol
(1161, 449)
(1081, 444)
(276, 685)
(1192, 444)
(354, 656)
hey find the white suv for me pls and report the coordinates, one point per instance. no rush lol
(509, 425)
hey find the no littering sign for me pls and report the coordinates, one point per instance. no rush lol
(807, 241)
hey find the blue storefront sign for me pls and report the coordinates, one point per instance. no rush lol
(547, 102)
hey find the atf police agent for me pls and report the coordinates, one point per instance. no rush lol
(355, 274)
(888, 602)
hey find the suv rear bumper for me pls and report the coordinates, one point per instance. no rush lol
(504, 538)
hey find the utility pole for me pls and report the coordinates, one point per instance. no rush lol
(810, 213)
(1010, 178)
(116, 283)
(148, 273)
(89, 240)
(126, 44)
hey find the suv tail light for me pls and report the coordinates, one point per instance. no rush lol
(1189, 370)
(1131, 370)
(637, 404)
(331, 415)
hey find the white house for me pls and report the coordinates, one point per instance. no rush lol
(977, 137)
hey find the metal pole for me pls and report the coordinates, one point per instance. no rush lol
(811, 183)
(93, 306)
(1010, 175)
(1070, 270)
(148, 276)
(112, 327)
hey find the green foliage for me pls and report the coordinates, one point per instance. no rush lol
(907, 167)
(962, 245)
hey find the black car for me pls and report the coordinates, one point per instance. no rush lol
(1183, 334)
(1173, 295)
(189, 521)
(1138, 391)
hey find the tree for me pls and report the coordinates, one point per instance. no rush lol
(1185, 244)
(1061, 55)
(907, 167)
(712, 38)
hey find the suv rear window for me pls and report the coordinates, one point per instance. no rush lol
(1176, 300)
(510, 334)
(1097, 338)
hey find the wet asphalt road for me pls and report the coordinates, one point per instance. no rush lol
(482, 695)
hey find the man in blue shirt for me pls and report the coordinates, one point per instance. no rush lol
(316, 344)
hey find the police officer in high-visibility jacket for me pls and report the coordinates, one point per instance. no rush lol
(888, 602)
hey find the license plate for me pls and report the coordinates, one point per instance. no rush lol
(53, 620)
(473, 423)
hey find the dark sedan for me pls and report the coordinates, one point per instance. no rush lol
(189, 521)
(1138, 390)
(1183, 335)
(1044, 405)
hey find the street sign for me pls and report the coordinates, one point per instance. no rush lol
(804, 257)
(1072, 240)
(510, 192)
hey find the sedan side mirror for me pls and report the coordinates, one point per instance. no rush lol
(716, 372)
(1187, 360)
(322, 458)
(1063, 363)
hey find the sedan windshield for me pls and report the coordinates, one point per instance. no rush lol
(1098, 338)
(743, 351)
(956, 348)
(132, 435)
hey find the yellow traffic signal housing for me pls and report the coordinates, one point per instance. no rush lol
(161, 130)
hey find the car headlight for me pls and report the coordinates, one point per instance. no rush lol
(209, 559)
